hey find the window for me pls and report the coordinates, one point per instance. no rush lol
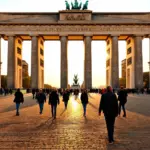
(129, 61)
(41, 63)
(41, 52)
(19, 41)
(129, 50)
(108, 63)
(129, 41)
(19, 50)
(19, 62)
(108, 42)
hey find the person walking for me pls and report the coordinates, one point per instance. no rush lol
(41, 98)
(122, 97)
(54, 101)
(18, 99)
(109, 106)
(66, 98)
(33, 93)
(84, 100)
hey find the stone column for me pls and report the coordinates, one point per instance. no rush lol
(64, 62)
(0, 62)
(138, 62)
(88, 63)
(11, 68)
(34, 63)
(114, 63)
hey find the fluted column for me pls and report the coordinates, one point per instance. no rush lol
(64, 62)
(114, 63)
(138, 61)
(11, 68)
(0, 62)
(35, 63)
(88, 63)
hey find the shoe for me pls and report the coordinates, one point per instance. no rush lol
(40, 113)
(111, 142)
(17, 114)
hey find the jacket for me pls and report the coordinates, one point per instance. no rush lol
(53, 98)
(109, 104)
(19, 97)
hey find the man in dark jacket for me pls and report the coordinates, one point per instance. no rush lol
(65, 98)
(109, 105)
(53, 101)
(122, 97)
(84, 100)
(18, 99)
(41, 98)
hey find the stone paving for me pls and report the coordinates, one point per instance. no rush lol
(71, 131)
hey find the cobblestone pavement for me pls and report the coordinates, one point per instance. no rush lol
(71, 131)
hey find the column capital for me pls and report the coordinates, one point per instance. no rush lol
(11, 35)
(138, 35)
(88, 35)
(114, 35)
(61, 35)
(34, 35)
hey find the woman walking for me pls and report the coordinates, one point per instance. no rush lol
(18, 99)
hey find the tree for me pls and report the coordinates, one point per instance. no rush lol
(122, 82)
(26, 82)
(47, 86)
(4, 81)
(146, 79)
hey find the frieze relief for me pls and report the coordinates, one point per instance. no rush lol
(73, 17)
(74, 28)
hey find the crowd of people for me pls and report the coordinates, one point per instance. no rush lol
(5, 91)
(108, 103)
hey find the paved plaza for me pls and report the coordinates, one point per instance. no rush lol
(71, 131)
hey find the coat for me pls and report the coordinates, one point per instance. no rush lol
(109, 104)
(122, 96)
(19, 97)
(66, 97)
(41, 98)
(84, 98)
(53, 98)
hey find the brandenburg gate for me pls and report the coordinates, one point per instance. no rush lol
(75, 25)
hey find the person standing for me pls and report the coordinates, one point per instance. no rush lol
(122, 97)
(41, 98)
(66, 98)
(84, 100)
(109, 106)
(54, 101)
(18, 99)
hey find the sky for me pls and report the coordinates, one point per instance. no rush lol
(75, 48)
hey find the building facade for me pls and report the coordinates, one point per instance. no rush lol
(75, 25)
(123, 69)
(24, 69)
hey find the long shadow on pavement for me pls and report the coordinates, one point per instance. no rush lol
(139, 104)
(27, 103)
